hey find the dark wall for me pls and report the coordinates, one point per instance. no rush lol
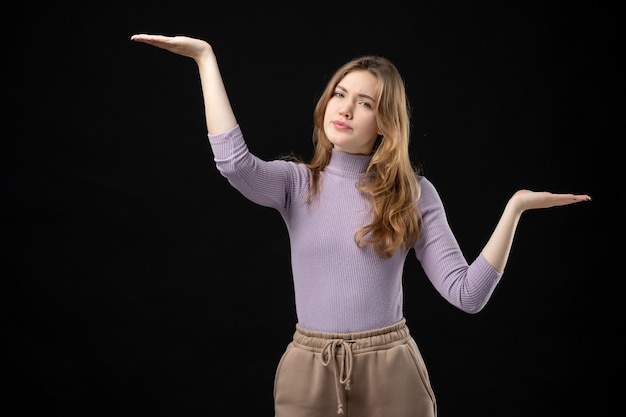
(139, 283)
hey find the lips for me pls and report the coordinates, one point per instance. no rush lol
(340, 125)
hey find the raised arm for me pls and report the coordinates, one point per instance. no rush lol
(218, 112)
(497, 249)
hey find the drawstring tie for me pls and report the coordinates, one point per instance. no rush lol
(345, 368)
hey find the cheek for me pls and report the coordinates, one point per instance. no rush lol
(330, 110)
(327, 114)
(369, 123)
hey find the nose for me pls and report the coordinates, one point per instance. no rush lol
(346, 113)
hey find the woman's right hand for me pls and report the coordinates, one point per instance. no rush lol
(181, 45)
(218, 111)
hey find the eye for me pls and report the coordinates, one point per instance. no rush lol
(366, 104)
(338, 94)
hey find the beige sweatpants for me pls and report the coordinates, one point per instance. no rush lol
(378, 373)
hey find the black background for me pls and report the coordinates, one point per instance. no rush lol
(138, 282)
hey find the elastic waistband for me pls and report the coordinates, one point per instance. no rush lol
(382, 338)
(337, 349)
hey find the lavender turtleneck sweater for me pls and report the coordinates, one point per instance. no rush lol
(340, 288)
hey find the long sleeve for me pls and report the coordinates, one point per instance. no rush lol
(267, 183)
(338, 286)
(466, 286)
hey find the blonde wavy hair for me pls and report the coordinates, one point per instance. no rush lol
(390, 180)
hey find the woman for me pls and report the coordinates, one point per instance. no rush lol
(353, 213)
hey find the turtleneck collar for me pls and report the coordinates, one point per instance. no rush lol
(348, 163)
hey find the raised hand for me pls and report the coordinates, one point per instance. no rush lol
(181, 45)
(524, 200)
(218, 112)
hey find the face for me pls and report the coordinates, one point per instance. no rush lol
(350, 116)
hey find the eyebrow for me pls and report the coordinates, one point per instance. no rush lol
(359, 95)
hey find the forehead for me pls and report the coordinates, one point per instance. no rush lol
(360, 82)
